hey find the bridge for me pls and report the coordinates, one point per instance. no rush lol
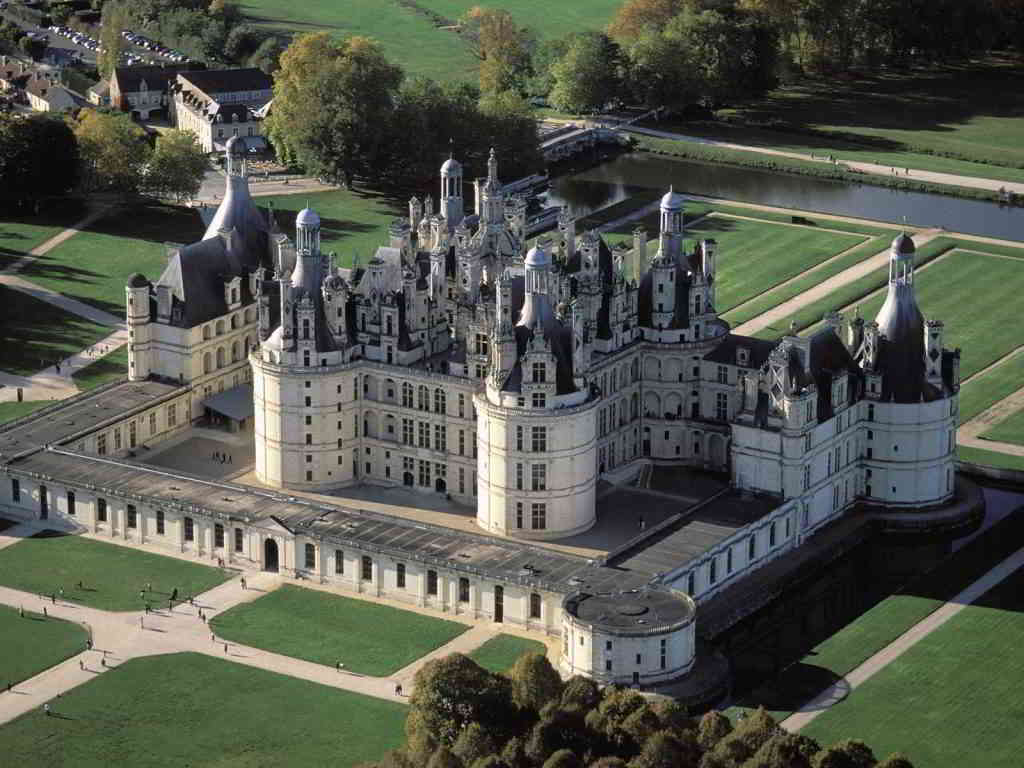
(570, 139)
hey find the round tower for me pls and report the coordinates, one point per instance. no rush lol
(140, 328)
(451, 192)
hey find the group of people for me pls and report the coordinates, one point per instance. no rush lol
(223, 458)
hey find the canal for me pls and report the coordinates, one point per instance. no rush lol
(640, 173)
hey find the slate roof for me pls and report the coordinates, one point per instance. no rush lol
(726, 351)
(128, 79)
(213, 81)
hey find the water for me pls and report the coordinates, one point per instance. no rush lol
(645, 174)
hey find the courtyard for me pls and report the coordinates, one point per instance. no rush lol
(111, 576)
(500, 653)
(192, 709)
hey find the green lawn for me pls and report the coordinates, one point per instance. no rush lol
(1010, 430)
(110, 367)
(409, 38)
(352, 222)
(989, 458)
(111, 575)
(14, 410)
(501, 652)
(35, 334)
(30, 643)
(984, 389)
(94, 265)
(971, 112)
(193, 710)
(325, 629)
(20, 233)
(951, 699)
(548, 20)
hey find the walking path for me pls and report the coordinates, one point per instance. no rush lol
(877, 169)
(841, 688)
(969, 433)
(860, 269)
(45, 247)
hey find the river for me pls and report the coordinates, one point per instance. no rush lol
(646, 174)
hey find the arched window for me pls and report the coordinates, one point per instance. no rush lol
(423, 398)
(440, 402)
(207, 362)
(234, 318)
(220, 357)
(234, 351)
(407, 395)
(535, 604)
(220, 327)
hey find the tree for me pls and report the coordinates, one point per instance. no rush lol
(783, 750)
(113, 152)
(491, 761)
(713, 727)
(38, 158)
(472, 744)
(896, 760)
(544, 57)
(502, 46)
(661, 750)
(112, 24)
(331, 101)
(672, 715)
(32, 47)
(636, 16)
(563, 758)
(534, 682)
(581, 693)
(267, 55)
(753, 731)
(443, 758)
(452, 692)
(588, 76)
(176, 168)
(608, 762)
(850, 753)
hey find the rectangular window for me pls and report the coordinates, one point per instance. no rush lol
(713, 571)
(190, 530)
(15, 490)
(133, 516)
(728, 560)
(722, 406)
(367, 568)
(101, 510)
(539, 477)
(160, 522)
(440, 437)
(239, 540)
(424, 434)
(71, 502)
(539, 439)
(462, 480)
(519, 477)
(463, 590)
(462, 442)
(218, 536)
(539, 516)
(172, 414)
(535, 605)
(432, 583)
(101, 445)
(723, 375)
(539, 400)
(310, 558)
(664, 651)
(400, 575)
(771, 535)
(462, 406)
(339, 562)
(407, 432)
(751, 547)
(424, 472)
(152, 423)
(519, 514)
(539, 373)
(691, 583)
(519, 438)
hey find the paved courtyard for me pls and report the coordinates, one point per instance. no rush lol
(199, 452)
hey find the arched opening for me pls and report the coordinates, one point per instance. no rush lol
(408, 479)
(207, 362)
(220, 357)
(220, 327)
(234, 351)
(207, 333)
(270, 559)
(440, 486)
(234, 321)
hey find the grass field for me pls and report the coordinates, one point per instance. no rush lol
(35, 333)
(989, 458)
(501, 652)
(111, 576)
(94, 265)
(194, 710)
(352, 222)
(986, 388)
(326, 629)
(29, 644)
(548, 20)
(972, 112)
(20, 233)
(15, 410)
(1010, 430)
(951, 699)
(409, 38)
(108, 368)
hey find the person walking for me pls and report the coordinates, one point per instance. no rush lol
(142, 623)
(45, 614)
(243, 582)
(225, 648)
(46, 709)
(103, 661)
(81, 665)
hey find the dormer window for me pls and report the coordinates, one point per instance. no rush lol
(742, 356)
(539, 373)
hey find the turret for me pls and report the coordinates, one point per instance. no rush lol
(567, 229)
(933, 353)
(400, 237)
(670, 245)
(855, 334)
(140, 330)
(505, 344)
(491, 208)
(901, 328)
(451, 192)
(415, 213)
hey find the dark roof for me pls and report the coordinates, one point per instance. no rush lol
(901, 346)
(137, 280)
(633, 611)
(830, 356)
(128, 79)
(213, 81)
(235, 403)
(726, 351)
(903, 244)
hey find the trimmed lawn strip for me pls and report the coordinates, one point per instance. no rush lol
(190, 709)
(12, 410)
(953, 698)
(989, 458)
(94, 265)
(20, 233)
(111, 575)
(549, 20)
(351, 222)
(326, 629)
(775, 296)
(35, 333)
(110, 367)
(850, 293)
(981, 392)
(1010, 430)
(500, 653)
(863, 637)
(30, 644)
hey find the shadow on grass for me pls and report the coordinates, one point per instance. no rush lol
(802, 683)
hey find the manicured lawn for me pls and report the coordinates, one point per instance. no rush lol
(110, 367)
(21, 232)
(29, 644)
(111, 575)
(549, 20)
(1010, 430)
(193, 710)
(989, 458)
(15, 410)
(987, 388)
(971, 111)
(351, 222)
(951, 699)
(35, 333)
(501, 652)
(368, 638)
(94, 265)
(409, 38)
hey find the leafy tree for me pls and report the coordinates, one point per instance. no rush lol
(544, 57)
(640, 725)
(514, 753)
(713, 727)
(671, 714)
(588, 76)
(472, 744)
(419, 743)
(637, 16)
(661, 750)
(176, 167)
(113, 151)
(534, 681)
(331, 101)
(896, 760)
(608, 762)
(267, 55)
(452, 692)
(502, 46)
(34, 49)
(491, 761)
(443, 758)
(563, 758)
(112, 24)
(850, 753)
(783, 750)
(753, 731)
(38, 158)
(581, 693)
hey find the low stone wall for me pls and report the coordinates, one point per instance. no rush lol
(1002, 475)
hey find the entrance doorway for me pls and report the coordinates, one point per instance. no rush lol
(44, 503)
(440, 486)
(270, 562)
(499, 603)
(408, 479)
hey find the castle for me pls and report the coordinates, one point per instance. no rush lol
(513, 379)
